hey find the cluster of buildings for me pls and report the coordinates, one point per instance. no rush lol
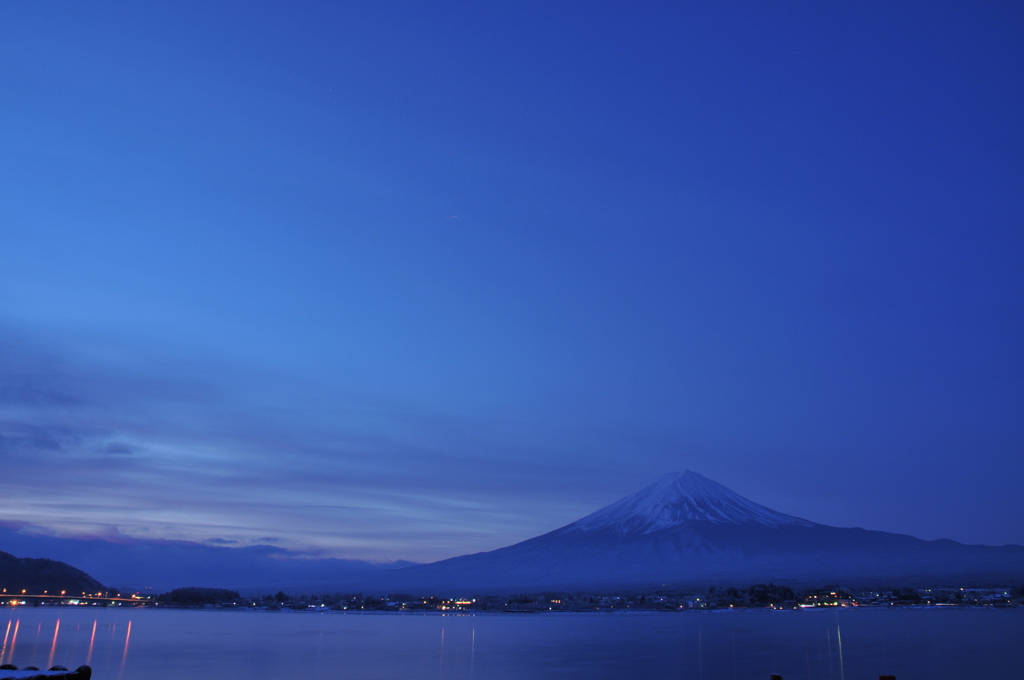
(758, 596)
(763, 596)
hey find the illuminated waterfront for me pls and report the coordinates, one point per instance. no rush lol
(127, 644)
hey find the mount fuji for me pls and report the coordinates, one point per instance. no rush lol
(675, 500)
(687, 530)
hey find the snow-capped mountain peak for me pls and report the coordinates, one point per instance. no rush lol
(679, 498)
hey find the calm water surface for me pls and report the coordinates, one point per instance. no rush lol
(130, 644)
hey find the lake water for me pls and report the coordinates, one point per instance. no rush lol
(130, 644)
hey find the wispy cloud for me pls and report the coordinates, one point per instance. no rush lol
(150, 446)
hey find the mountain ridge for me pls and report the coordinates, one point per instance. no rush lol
(686, 530)
(160, 565)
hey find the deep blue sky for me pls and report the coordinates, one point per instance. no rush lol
(417, 279)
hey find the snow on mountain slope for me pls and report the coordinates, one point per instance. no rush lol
(676, 499)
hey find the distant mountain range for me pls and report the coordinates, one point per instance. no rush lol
(159, 566)
(684, 530)
(38, 576)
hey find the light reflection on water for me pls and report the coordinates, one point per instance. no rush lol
(802, 645)
(53, 646)
(124, 655)
(92, 642)
(14, 640)
(3, 650)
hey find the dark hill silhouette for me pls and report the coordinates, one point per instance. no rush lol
(36, 576)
